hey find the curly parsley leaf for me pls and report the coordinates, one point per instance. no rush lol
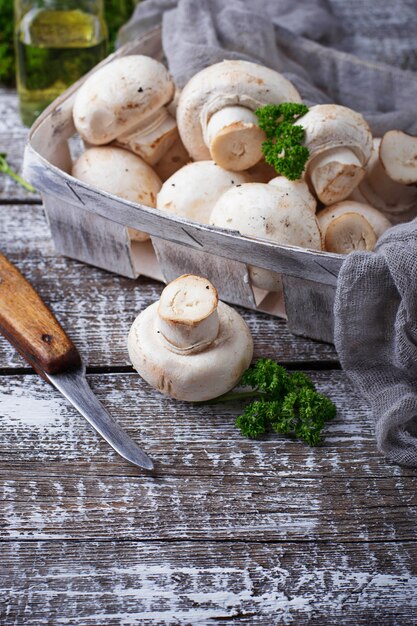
(303, 413)
(284, 402)
(283, 148)
(6, 169)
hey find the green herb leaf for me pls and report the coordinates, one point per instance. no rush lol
(255, 419)
(304, 413)
(284, 149)
(268, 376)
(6, 169)
(271, 115)
(287, 403)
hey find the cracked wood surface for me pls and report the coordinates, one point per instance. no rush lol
(209, 483)
(194, 583)
(227, 530)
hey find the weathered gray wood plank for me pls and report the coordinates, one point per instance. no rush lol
(62, 481)
(193, 583)
(13, 137)
(97, 308)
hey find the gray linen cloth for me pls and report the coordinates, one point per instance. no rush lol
(376, 298)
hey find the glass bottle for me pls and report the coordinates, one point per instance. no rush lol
(57, 41)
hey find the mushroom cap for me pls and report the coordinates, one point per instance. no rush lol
(376, 219)
(398, 155)
(193, 190)
(268, 212)
(191, 377)
(330, 126)
(222, 85)
(119, 96)
(334, 174)
(349, 232)
(397, 201)
(340, 144)
(298, 189)
(120, 173)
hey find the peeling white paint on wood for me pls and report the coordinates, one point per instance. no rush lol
(13, 136)
(189, 583)
(29, 412)
(278, 490)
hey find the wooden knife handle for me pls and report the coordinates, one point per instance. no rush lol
(30, 326)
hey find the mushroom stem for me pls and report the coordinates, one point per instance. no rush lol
(234, 138)
(151, 138)
(187, 319)
(335, 173)
(349, 232)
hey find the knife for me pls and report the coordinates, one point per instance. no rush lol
(33, 330)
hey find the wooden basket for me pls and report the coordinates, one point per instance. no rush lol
(92, 226)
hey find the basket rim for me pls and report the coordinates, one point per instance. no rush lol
(329, 262)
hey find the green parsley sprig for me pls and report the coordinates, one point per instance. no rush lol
(284, 402)
(6, 169)
(284, 149)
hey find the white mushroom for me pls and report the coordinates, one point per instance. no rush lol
(194, 189)
(348, 233)
(188, 345)
(125, 100)
(121, 173)
(298, 190)
(349, 225)
(216, 116)
(398, 155)
(397, 201)
(340, 145)
(280, 212)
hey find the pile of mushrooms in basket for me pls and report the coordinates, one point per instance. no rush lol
(237, 149)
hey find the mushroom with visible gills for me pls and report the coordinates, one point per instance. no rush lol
(348, 226)
(216, 111)
(120, 173)
(340, 145)
(126, 101)
(189, 345)
(281, 211)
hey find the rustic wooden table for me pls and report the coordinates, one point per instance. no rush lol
(228, 530)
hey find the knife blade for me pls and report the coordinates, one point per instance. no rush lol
(31, 327)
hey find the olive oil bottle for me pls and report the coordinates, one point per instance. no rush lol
(56, 43)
